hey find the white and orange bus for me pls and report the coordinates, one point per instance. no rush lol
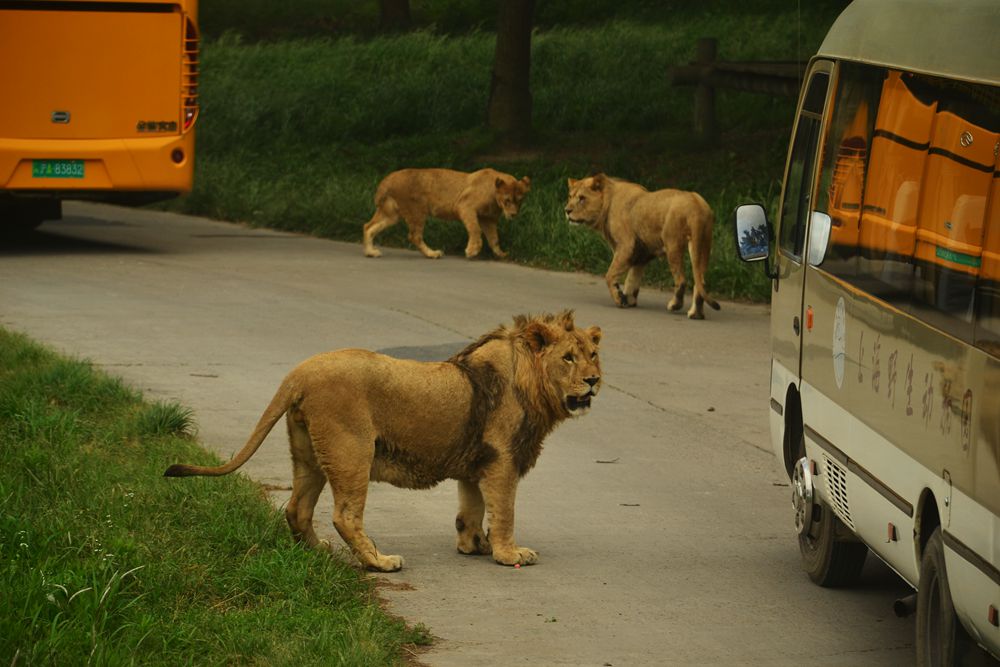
(885, 312)
(99, 101)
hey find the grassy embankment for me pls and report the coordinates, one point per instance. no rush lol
(296, 133)
(105, 562)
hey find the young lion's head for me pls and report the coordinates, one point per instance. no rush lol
(585, 205)
(566, 360)
(509, 194)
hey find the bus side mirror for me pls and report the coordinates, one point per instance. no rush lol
(753, 234)
(819, 237)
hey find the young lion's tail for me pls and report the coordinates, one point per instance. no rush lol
(278, 406)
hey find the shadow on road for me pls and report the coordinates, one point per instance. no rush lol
(57, 239)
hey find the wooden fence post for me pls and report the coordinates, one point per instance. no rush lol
(704, 96)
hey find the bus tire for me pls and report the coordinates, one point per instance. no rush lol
(831, 555)
(941, 639)
(22, 217)
(831, 559)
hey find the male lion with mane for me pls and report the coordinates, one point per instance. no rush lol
(476, 199)
(641, 225)
(479, 418)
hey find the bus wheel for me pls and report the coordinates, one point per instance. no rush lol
(22, 217)
(830, 559)
(941, 639)
(831, 555)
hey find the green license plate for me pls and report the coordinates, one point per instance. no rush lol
(57, 168)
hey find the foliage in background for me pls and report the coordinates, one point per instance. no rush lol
(295, 132)
(267, 20)
(103, 561)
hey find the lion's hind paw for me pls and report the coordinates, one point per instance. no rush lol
(476, 545)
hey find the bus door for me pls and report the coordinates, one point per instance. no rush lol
(787, 321)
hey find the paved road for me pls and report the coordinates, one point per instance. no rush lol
(662, 521)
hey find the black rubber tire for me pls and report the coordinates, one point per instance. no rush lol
(941, 639)
(829, 559)
(18, 227)
(831, 556)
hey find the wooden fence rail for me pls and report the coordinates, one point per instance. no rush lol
(782, 78)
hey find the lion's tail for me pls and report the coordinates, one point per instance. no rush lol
(278, 406)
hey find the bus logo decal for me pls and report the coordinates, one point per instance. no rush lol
(839, 342)
(156, 126)
(909, 387)
(891, 385)
(966, 421)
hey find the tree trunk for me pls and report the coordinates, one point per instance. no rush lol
(394, 15)
(509, 108)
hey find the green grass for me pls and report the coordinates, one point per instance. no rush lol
(105, 562)
(296, 133)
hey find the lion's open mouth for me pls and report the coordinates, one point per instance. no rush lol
(574, 222)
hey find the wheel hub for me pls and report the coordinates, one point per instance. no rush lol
(802, 495)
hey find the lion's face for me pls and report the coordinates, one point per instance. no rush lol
(509, 195)
(569, 360)
(585, 204)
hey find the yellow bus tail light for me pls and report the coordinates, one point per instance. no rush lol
(189, 75)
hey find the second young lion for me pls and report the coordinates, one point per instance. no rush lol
(641, 225)
(477, 200)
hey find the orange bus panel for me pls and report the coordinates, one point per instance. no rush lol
(899, 151)
(960, 164)
(991, 243)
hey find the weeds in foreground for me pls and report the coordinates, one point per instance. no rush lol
(103, 561)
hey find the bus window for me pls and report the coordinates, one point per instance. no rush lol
(844, 157)
(887, 235)
(952, 210)
(797, 200)
(988, 287)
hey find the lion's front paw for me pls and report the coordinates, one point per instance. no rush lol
(433, 254)
(498, 253)
(472, 251)
(373, 252)
(516, 556)
(385, 563)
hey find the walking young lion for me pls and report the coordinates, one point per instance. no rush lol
(641, 225)
(477, 200)
(355, 416)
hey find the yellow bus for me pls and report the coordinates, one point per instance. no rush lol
(100, 100)
(885, 312)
